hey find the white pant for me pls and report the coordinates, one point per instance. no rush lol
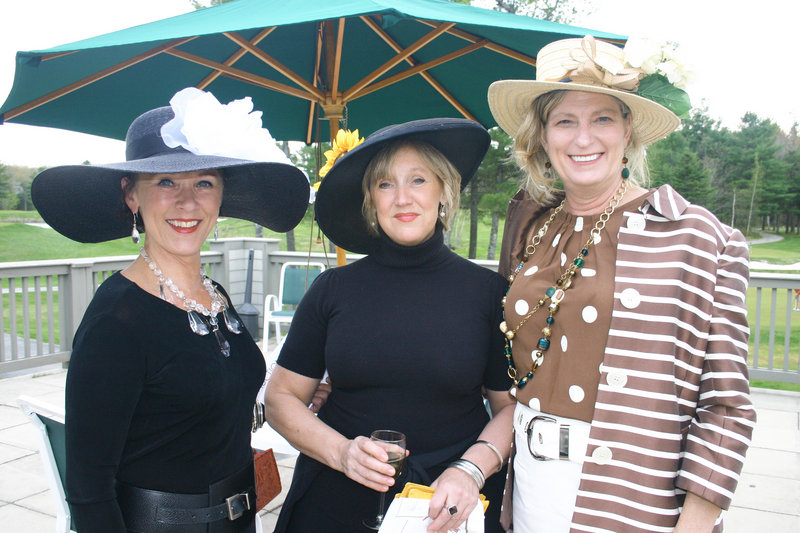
(544, 491)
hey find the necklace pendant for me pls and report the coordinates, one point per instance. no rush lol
(224, 345)
(231, 322)
(196, 323)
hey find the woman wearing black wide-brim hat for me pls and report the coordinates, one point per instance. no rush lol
(163, 374)
(409, 335)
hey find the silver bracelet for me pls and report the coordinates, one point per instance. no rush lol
(496, 452)
(470, 468)
(258, 417)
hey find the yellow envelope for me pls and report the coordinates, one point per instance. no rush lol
(423, 492)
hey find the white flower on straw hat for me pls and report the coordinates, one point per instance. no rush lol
(658, 58)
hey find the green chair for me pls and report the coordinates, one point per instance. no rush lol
(296, 277)
(48, 421)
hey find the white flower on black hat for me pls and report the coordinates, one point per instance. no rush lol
(204, 126)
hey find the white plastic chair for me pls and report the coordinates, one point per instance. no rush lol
(48, 421)
(296, 277)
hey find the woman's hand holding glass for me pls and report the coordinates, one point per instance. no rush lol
(366, 462)
(393, 444)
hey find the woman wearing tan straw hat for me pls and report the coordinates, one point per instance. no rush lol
(409, 335)
(163, 374)
(625, 320)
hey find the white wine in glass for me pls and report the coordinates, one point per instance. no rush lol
(394, 443)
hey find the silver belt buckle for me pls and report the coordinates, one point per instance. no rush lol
(230, 500)
(563, 438)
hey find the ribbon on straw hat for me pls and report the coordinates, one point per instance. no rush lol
(592, 72)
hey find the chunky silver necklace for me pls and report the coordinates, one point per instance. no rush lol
(195, 310)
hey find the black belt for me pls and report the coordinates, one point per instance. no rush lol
(154, 511)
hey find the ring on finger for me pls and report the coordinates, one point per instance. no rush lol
(453, 510)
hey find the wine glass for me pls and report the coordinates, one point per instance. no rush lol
(394, 443)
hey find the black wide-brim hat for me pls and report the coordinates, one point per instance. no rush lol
(86, 202)
(338, 202)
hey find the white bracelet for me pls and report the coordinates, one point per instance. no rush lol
(496, 452)
(470, 468)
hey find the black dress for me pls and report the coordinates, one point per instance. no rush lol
(151, 404)
(409, 335)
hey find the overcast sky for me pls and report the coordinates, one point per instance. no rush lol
(741, 52)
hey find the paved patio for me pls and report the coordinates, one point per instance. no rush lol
(768, 497)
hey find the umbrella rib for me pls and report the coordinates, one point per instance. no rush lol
(236, 56)
(423, 41)
(88, 80)
(427, 76)
(337, 61)
(242, 75)
(419, 68)
(493, 46)
(274, 63)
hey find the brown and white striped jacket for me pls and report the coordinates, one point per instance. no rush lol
(673, 411)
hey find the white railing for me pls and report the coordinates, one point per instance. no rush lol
(775, 293)
(43, 301)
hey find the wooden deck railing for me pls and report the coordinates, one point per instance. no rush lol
(42, 303)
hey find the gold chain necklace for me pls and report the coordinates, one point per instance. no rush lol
(554, 294)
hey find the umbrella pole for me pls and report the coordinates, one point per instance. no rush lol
(341, 258)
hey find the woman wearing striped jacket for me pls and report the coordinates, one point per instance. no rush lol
(625, 319)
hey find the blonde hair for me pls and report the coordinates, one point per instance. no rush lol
(531, 156)
(381, 166)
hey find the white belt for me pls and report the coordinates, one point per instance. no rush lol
(552, 437)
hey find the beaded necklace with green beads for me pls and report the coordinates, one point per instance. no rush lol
(554, 294)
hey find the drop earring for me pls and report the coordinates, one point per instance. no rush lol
(442, 212)
(626, 172)
(135, 231)
(547, 167)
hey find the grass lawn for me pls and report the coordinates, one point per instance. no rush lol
(783, 252)
(22, 242)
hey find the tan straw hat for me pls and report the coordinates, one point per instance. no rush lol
(592, 66)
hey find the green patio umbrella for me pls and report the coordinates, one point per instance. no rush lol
(312, 66)
(373, 62)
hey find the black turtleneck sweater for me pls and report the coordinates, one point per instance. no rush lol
(409, 335)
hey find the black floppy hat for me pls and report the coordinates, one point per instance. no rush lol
(86, 203)
(338, 202)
